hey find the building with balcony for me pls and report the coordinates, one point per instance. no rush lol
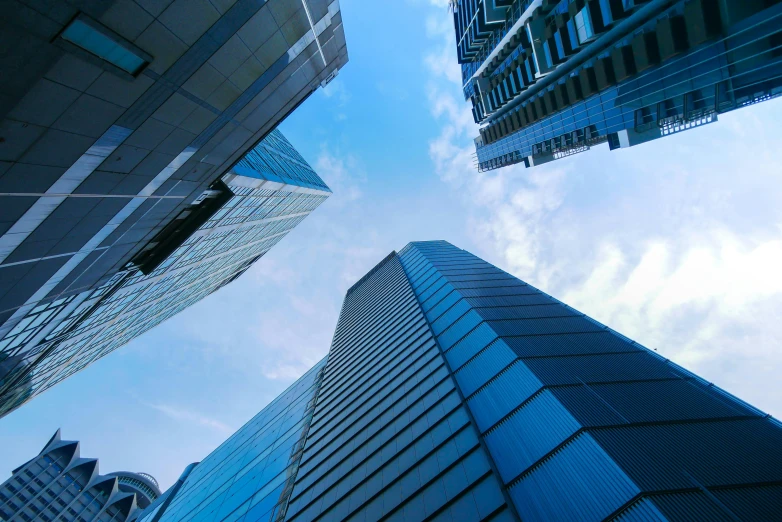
(548, 79)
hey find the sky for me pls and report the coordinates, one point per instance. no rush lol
(676, 243)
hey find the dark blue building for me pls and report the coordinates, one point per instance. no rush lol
(454, 391)
(549, 78)
(215, 240)
(120, 124)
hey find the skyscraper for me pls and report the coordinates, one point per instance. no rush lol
(454, 391)
(547, 78)
(59, 484)
(212, 242)
(116, 115)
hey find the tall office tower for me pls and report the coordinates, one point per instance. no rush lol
(551, 78)
(209, 244)
(59, 484)
(117, 115)
(454, 391)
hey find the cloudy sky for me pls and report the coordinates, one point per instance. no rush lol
(676, 244)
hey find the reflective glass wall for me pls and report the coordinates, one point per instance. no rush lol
(230, 227)
(249, 477)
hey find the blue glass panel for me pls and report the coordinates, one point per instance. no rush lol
(459, 329)
(97, 43)
(484, 366)
(579, 482)
(504, 393)
(468, 347)
(449, 317)
(529, 433)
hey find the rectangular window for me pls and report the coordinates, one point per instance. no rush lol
(96, 42)
(584, 26)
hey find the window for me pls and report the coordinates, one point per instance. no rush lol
(584, 26)
(85, 35)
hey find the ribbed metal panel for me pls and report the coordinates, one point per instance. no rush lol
(459, 329)
(480, 275)
(642, 511)
(449, 317)
(516, 289)
(529, 434)
(587, 407)
(754, 503)
(487, 364)
(691, 505)
(426, 296)
(440, 308)
(578, 482)
(532, 298)
(569, 344)
(503, 393)
(600, 368)
(654, 401)
(425, 277)
(525, 312)
(472, 267)
(504, 282)
(718, 453)
(544, 326)
(608, 418)
(468, 347)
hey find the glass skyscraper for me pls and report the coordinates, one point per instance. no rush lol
(116, 114)
(219, 236)
(454, 391)
(551, 78)
(129, 129)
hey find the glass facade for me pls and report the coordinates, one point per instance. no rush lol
(118, 114)
(454, 391)
(549, 79)
(249, 477)
(226, 229)
(59, 485)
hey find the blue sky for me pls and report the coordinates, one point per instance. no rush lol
(676, 243)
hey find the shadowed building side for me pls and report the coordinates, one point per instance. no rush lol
(125, 127)
(207, 246)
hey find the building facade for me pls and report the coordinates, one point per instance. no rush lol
(211, 243)
(551, 78)
(116, 115)
(60, 485)
(454, 391)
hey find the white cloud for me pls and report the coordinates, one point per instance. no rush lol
(336, 89)
(186, 415)
(342, 174)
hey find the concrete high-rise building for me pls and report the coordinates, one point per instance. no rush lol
(60, 485)
(211, 243)
(125, 125)
(454, 391)
(551, 78)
